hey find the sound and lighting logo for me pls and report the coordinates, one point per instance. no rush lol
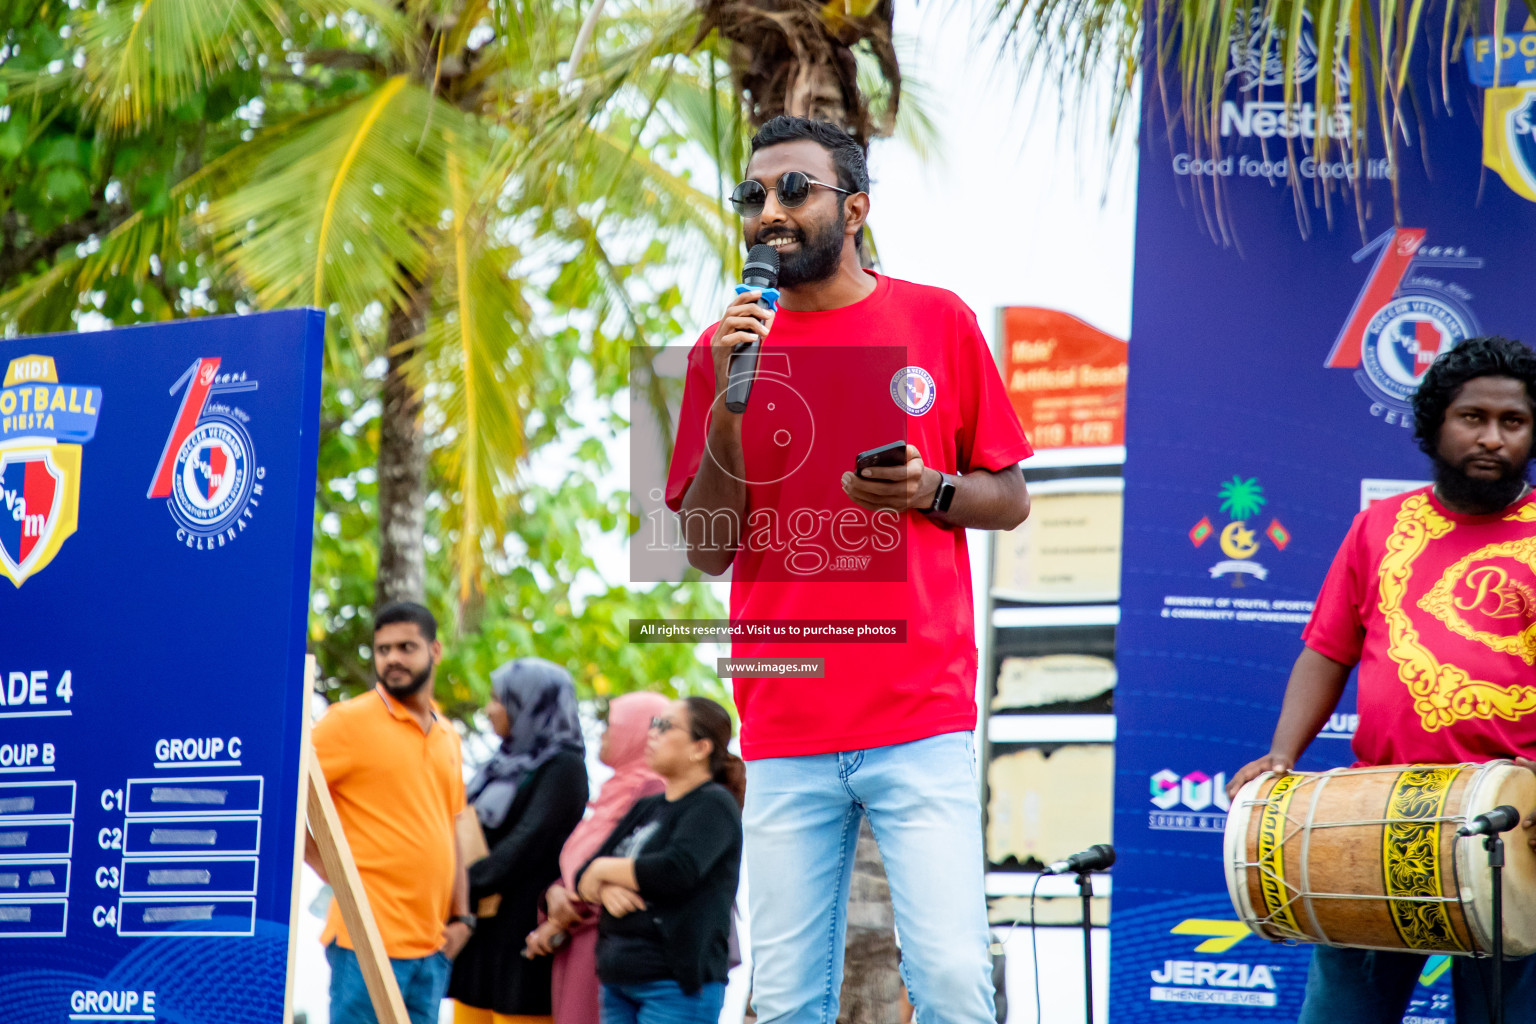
(208, 466)
(1196, 802)
(1242, 500)
(1402, 319)
(43, 424)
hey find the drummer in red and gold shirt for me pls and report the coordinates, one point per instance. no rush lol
(1433, 596)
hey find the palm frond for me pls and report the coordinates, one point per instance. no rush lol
(144, 58)
(343, 211)
(488, 356)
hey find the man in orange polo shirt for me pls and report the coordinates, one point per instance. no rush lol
(394, 769)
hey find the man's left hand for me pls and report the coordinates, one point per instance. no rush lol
(455, 935)
(894, 487)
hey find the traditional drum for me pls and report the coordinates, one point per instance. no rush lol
(1368, 857)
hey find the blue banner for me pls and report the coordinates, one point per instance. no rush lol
(156, 508)
(1506, 60)
(1277, 337)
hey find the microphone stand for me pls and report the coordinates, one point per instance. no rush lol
(1085, 888)
(1494, 844)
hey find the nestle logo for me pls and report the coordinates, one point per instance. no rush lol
(1266, 119)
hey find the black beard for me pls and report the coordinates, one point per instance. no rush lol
(411, 688)
(818, 257)
(1475, 495)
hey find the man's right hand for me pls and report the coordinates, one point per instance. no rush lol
(744, 321)
(1253, 769)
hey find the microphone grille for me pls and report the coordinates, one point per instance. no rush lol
(764, 258)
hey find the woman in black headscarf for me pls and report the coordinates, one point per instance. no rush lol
(528, 798)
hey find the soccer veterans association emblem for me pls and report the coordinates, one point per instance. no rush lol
(208, 468)
(43, 424)
(1404, 318)
(913, 390)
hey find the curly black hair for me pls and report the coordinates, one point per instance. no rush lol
(1489, 356)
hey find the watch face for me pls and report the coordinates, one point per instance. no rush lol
(944, 494)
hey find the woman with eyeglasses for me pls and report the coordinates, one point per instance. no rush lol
(667, 876)
(528, 797)
(569, 933)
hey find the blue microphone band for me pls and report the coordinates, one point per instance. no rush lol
(769, 299)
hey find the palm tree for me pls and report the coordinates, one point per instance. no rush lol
(801, 57)
(402, 166)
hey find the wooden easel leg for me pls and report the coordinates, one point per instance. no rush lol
(347, 885)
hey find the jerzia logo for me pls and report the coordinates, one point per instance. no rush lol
(1509, 135)
(42, 425)
(1402, 319)
(1241, 500)
(208, 468)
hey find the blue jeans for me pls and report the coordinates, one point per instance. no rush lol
(662, 1002)
(1362, 986)
(423, 983)
(802, 824)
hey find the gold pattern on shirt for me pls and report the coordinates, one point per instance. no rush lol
(1486, 589)
(1442, 694)
(1524, 514)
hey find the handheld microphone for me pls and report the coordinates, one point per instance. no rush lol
(1500, 819)
(761, 273)
(1096, 858)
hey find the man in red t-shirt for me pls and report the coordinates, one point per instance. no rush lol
(1433, 595)
(853, 361)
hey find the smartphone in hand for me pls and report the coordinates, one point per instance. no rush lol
(893, 454)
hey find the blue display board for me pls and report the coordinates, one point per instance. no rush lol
(1275, 344)
(156, 509)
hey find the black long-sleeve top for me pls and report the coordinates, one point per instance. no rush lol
(687, 856)
(490, 972)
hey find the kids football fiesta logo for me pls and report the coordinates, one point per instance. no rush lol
(208, 469)
(42, 425)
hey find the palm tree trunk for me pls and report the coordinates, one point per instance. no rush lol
(873, 992)
(402, 465)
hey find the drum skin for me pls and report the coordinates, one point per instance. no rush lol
(1357, 857)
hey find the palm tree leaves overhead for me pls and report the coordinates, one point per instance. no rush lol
(415, 164)
(343, 209)
(142, 58)
(1354, 55)
(486, 355)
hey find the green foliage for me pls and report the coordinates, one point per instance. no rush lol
(428, 160)
(544, 594)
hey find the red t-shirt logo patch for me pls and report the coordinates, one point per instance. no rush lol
(913, 390)
(1483, 598)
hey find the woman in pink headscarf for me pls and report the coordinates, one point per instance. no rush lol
(570, 930)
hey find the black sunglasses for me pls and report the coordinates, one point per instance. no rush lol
(663, 725)
(793, 188)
